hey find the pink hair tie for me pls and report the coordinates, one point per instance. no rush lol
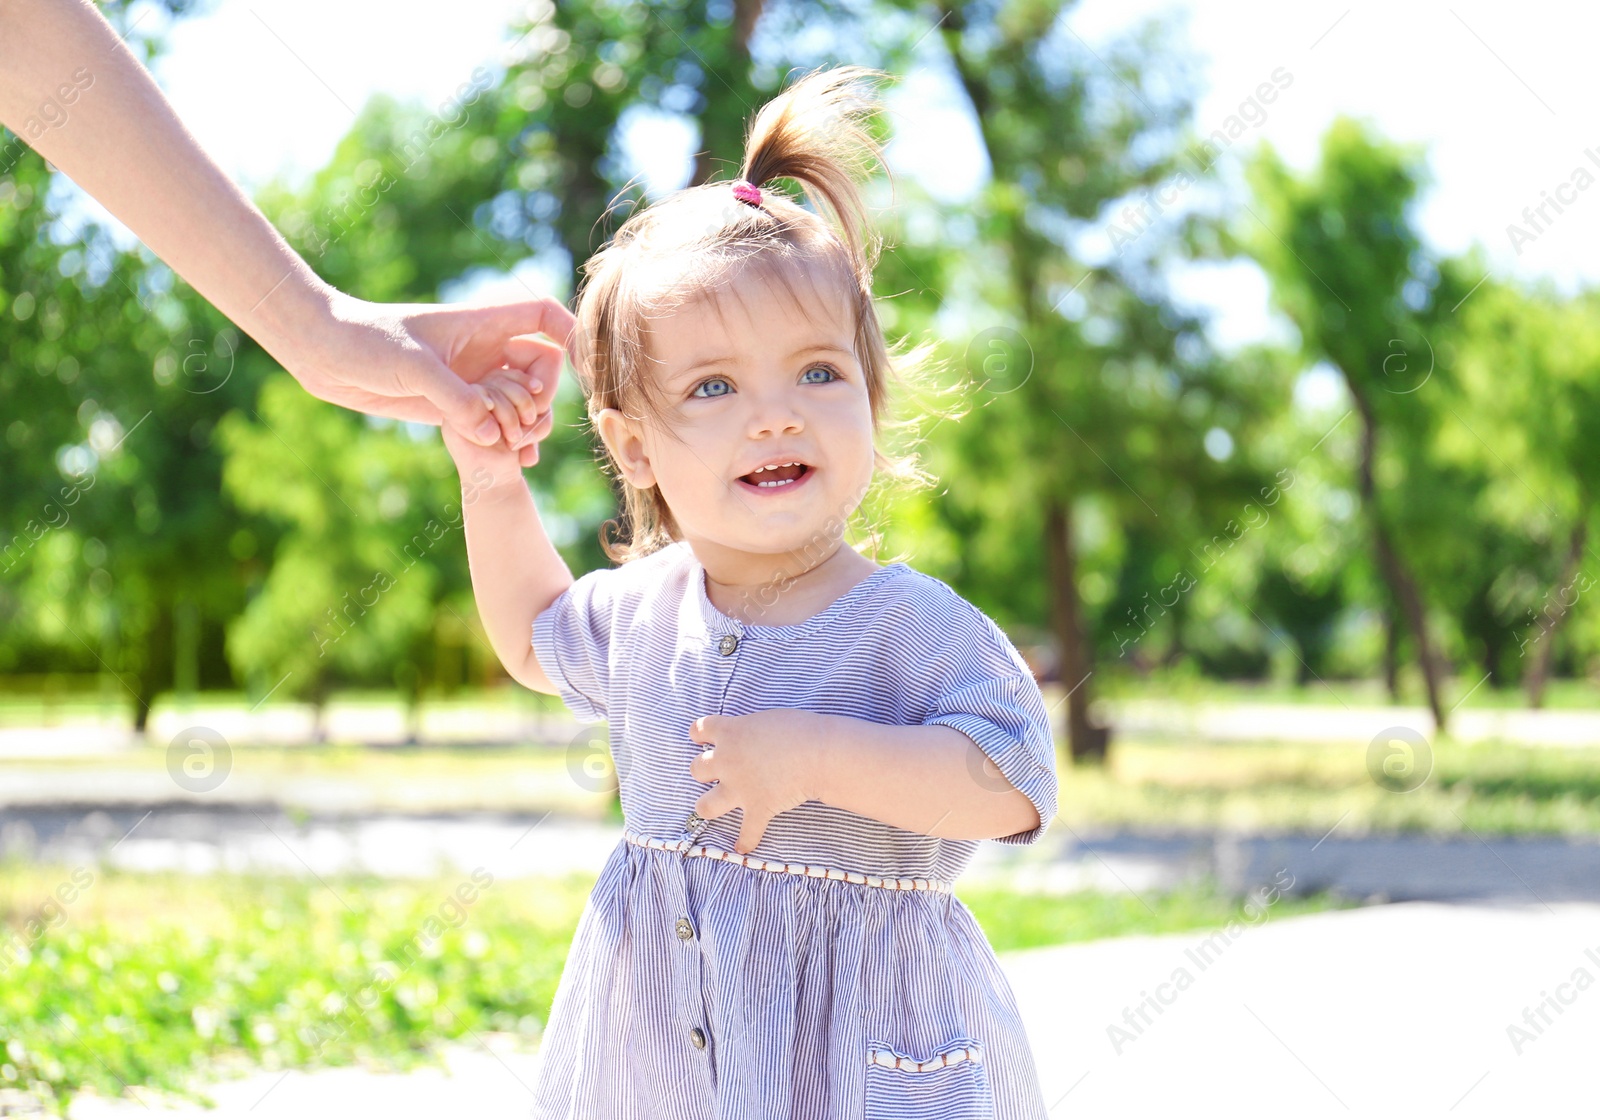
(746, 191)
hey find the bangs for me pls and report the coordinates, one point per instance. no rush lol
(816, 280)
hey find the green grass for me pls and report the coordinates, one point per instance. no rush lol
(152, 979)
(161, 979)
(1564, 693)
(1012, 920)
(1492, 789)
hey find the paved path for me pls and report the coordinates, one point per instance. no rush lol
(235, 838)
(1387, 868)
(1400, 1010)
(1397, 1010)
(1336, 720)
(481, 1081)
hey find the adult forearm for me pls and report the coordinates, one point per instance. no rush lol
(928, 779)
(121, 141)
(516, 571)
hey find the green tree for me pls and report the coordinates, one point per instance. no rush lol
(116, 378)
(1348, 268)
(371, 550)
(1529, 368)
(1101, 415)
(119, 551)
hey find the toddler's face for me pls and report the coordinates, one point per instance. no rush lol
(762, 382)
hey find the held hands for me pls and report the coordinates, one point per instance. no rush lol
(444, 364)
(522, 410)
(762, 763)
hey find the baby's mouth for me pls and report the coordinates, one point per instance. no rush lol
(774, 478)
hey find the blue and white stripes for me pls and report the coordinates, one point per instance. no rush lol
(831, 972)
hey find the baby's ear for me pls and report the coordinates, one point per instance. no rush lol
(627, 448)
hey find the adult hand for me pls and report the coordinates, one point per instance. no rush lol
(762, 763)
(422, 362)
(522, 403)
(112, 130)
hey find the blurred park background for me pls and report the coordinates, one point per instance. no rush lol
(1280, 462)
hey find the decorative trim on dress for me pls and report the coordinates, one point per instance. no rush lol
(688, 847)
(882, 1056)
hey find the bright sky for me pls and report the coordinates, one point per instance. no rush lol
(1497, 95)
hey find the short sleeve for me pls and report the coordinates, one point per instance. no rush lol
(988, 693)
(572, 640)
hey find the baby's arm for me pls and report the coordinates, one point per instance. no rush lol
(979, 763)
(930, 779)
(516, 571)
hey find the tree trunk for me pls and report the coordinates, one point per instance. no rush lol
(1391, 654)
(1493, 648)
(148, 664)
(1176, 649)
(1401, 586)
(143, 699)
(1538, 672)
(1086, 741)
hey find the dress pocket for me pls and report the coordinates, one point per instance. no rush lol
(952, 1083)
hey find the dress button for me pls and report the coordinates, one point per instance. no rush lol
(694, 822)
(685, 930)
(728, 644)
(698, 1037)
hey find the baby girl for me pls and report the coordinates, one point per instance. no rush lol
(809, 745)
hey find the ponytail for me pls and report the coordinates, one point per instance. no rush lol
(816, 133)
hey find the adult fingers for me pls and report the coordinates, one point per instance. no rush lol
(477, 339)
(414, 409)
(463, 406)
(462, 344)
(519, 318)
(541, 357)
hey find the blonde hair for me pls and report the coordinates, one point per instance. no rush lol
(697, 241)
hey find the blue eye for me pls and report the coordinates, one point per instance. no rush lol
(833, 375)
(709, 381)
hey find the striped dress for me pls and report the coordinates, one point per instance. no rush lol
(831, 972)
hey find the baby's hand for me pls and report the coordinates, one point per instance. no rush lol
(761, 763)
(524, 413)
